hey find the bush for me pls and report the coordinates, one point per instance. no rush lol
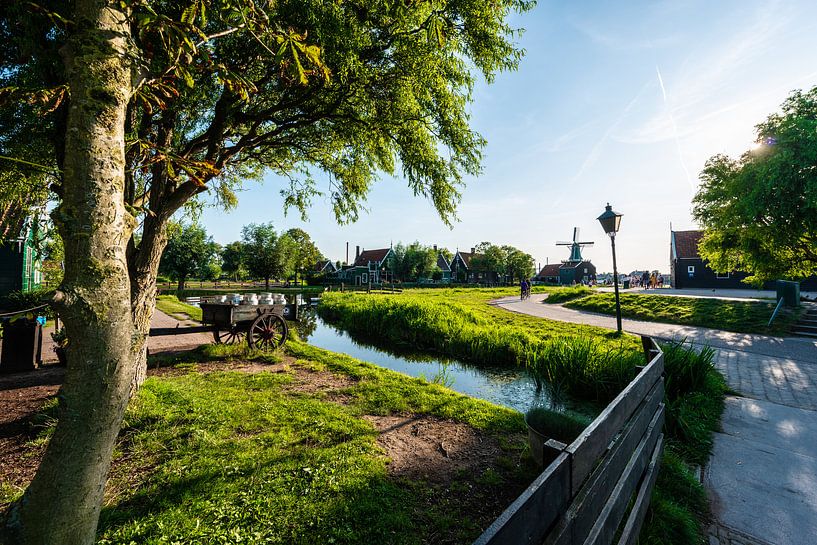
(562, 426)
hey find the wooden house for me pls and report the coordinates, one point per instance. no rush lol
(465, 268)
(549, 274)
(445, 268)
(20, 262)
(689, 270)
(325, 266)
(370, 266)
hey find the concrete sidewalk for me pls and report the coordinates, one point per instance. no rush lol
(762, 475)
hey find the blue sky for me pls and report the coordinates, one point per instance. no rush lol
(619, 102)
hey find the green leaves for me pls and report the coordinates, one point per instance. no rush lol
(760, 211)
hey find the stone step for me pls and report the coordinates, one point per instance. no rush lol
(800, 328)
(804, 334)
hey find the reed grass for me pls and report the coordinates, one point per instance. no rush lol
(579, 365)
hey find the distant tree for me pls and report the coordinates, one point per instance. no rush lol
(414, 261)
(188, 253)
(519, 265)
(267, 254)
(233, 260)
(759, 212)
(306, 253)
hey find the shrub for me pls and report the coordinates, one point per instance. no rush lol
(562, 426)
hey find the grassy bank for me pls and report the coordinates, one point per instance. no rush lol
(589, 363)
(563, 295)
(289, 453)
(586, 362)
(170, 304)
(738, 316)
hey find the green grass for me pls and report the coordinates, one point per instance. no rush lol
(738, 316)
(170, 304)
(585, 361)
(564, 427)
(228, 457)
(460, 324)
(563, 295)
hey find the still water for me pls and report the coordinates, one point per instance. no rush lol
(500, 385)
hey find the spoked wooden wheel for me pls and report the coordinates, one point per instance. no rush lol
(267, 332)
(230, 336)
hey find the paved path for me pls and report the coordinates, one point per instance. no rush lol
(156, 345)
(762, 476)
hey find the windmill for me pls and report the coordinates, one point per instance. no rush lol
(575, 247)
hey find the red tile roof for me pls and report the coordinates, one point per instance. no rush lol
(549, 270)
(367, 256)
(686, 243)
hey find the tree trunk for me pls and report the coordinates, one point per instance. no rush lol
(266, 280)
(62, 504)
(182, 282)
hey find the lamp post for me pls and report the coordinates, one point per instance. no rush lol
(610, 222)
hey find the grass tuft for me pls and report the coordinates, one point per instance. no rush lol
(563, 295)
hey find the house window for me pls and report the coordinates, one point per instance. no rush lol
(364, 278)
(585, 271)
(691, 269)
(722, 275)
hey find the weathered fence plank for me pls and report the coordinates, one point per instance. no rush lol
(597, 436)
(610, 518)
(582, 496)
(530, 516)
(594, 494)
(633, 526)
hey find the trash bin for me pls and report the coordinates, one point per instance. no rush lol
(22, 345)
(626, 284)
(789, 292)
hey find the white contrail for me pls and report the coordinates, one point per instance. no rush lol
(674, 129)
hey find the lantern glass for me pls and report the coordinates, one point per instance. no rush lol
(610, 221)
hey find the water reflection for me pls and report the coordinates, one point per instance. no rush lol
(510, 387)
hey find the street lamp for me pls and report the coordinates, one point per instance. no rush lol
(610, 222)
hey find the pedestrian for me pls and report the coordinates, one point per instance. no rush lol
(645, 279)
(660, 280)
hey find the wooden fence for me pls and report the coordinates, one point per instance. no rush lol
(608, 472)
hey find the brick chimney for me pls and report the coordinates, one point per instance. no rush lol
(435, 247)
(473, 250)
(357, 252)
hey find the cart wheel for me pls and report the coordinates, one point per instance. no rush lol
(267, 332)
(230, 336)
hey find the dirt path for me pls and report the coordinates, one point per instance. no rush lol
(762, 476)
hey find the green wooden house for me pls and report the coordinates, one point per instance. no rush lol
(20, 261)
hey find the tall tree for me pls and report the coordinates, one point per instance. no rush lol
(233, 260)
(133, 108)
(189, 253)
(268, 255)
(759, 212)
(306, 253)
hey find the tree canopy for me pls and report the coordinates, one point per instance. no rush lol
(759, 211)
(268, 255)
(189, 253)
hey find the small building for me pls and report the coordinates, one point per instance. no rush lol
(576, 272)
(445, 268)
(370, 266)
(20, 260)
(549, 274)
(465, 268)
(688, 269)
(325, 266)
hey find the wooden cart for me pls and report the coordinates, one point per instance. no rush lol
(263, 326)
